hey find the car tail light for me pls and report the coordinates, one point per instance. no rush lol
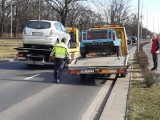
(88, 37)
(20, 55)
(80, 39)
(122, 70)
(105, 36)
(72, 71)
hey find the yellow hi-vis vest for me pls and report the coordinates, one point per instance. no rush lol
(60, 50)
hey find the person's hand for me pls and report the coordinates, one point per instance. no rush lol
(69, 61)
(51, 57)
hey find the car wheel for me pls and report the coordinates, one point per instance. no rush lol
(123, 74)
(83, 54)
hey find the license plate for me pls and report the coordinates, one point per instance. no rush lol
(87, 71)
(112, 71)
(37, 33)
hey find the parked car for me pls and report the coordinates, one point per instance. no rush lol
(43, 32)
(132, 40)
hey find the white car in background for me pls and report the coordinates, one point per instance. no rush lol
(44, 33)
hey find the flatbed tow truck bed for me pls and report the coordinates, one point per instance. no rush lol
(99, 65)
(35, 49)
(99, 62)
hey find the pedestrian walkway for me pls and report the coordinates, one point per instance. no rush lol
(147, 49)
(116, 106)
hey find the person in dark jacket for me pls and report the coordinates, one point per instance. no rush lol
(154, 48)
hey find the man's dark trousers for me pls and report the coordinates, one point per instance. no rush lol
(58, 67)
(155, 60)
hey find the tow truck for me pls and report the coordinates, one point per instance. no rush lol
(101, 58)
(41, 56)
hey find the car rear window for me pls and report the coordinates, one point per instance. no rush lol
(97, 35)
(38, 24)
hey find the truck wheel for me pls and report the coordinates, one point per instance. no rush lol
(31, 65)
(123, 74)
(83, 76)
(83, 54)
(26, 45)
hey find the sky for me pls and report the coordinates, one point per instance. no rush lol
(150, 8)
(153, 8)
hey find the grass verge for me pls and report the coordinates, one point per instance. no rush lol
(144, 102)
(7, 48)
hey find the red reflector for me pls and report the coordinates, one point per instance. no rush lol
(88, 37)
(80, 39)
(105, 36)
(20, 55)
(121, 70)
(72, 71)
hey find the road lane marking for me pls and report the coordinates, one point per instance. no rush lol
(31, 77)
(17, 110)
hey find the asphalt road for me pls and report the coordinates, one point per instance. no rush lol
(31, 94)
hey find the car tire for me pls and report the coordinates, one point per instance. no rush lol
(83, 54)
(123, 75)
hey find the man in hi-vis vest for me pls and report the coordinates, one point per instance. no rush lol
(61, 53)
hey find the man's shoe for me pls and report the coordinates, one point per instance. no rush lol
(57, 81)
(154, 68)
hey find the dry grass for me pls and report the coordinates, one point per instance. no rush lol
(144, 102)
(7, 48)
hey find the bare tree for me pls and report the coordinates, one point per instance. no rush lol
(69, 12)
(118, 11)
(62, 7)
(4, 4)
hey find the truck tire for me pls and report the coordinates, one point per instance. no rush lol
(26, 45)
(31, 66)
(83, 76)
(123, 74)
(83, 54)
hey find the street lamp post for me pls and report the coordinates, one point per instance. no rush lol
(146, 20)
(39, 9)
(147, 23)
(158, 26)
(141, 21)
(11, 19)
(153, 22)
(138, 26)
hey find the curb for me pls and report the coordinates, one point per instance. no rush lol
(1, 61)
(6, 60)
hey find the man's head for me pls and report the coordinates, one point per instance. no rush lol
(63, 40)
(155, 36)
